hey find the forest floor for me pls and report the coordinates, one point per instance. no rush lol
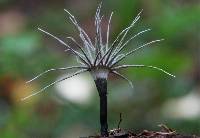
(165, 132)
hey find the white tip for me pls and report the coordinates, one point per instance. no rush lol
(173, 76)
(27, 97)
(41, 30)
(68, 12)
(28, 81)
(140, 12)
(67, 50)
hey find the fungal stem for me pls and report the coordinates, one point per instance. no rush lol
(101, 85)
(100, 77)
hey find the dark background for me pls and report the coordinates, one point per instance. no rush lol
(156, 98)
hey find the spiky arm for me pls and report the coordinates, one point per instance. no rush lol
(82, 50)
(77, 54)
(81, 30)
(141, 66)
(57, 81)
(56, 69)
(131, 26)
(125, 44)
(123, 32)
(134, 50)
(108, 31)
(123, 77)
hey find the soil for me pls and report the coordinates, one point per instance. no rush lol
(165, 132)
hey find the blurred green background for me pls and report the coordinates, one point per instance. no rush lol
(71, 109)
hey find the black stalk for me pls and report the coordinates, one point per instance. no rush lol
(101, 84)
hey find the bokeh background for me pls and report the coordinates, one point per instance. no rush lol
(71, 109)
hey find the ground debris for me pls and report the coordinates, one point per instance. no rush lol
(165, 132)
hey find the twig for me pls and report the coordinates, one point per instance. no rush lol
(120, 120)
(165, 128)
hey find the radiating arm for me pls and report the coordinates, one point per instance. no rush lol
(47, 71)
(73, 51)
(123, 32)
(123, 46)
(86, 43)
(108, 31)
(123, 77)
(98, 36)
(132, 25)
(74, 21)
(140, 66)
(82, 50)
(35, 93)
(134, 50)
(83, 35)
